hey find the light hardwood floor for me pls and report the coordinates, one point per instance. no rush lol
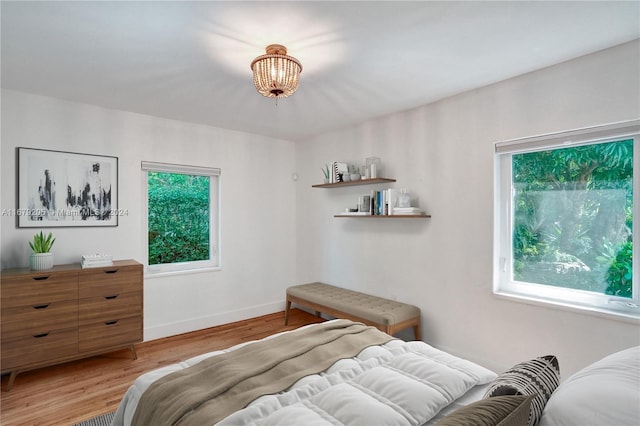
(69, 393)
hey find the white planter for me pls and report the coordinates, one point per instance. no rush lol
(41, 261)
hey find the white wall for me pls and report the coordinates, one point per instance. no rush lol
(443, 153)
(257, 233)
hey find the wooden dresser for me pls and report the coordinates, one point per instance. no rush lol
(67, 313)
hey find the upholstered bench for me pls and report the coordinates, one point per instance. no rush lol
(386, 315)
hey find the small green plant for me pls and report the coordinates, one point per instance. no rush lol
(325, 171)
(42, 244)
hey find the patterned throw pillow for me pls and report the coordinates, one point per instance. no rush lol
(539, 377)
(503, 410)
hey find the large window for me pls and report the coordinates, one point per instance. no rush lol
(564, 219)
(182, 217)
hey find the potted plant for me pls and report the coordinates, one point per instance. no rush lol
(354, 172)
(326, 172)
(41, 258)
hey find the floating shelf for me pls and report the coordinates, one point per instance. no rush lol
(392, 216)
(353, 183)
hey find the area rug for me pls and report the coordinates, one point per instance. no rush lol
(102, 420)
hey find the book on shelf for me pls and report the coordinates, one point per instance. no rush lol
(383, 202)
(96, 260)
(408, 211)
(392, 200)
(97, 264)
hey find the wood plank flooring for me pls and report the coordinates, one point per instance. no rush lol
(75, 391)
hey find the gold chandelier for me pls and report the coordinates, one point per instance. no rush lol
(275, 74)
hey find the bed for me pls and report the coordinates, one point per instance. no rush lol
(341, 372)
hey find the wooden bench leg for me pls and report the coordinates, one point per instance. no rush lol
(286, 312)
(417, 332)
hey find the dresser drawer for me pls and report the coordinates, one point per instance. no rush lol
(38, 347)
(37, 319)
(112, 333)
(110, 281)
(107, 308)
(38, 289)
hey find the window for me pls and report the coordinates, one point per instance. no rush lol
(564, 219)
(182, 217)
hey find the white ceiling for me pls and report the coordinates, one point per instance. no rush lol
(190, 61)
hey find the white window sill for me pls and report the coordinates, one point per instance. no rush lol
(629, 314)
(161, 274)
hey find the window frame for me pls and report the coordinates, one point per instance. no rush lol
(213, 263)
(558, 297)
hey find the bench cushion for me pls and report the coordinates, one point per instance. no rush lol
(372, 308)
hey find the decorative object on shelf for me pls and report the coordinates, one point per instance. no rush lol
(364, 204)
(365, 172)
(404, 198)
(275, 74)
(374, 165)
(354, 172)
(41, 259)
(339, 170)
(327, 173)
(66, 189)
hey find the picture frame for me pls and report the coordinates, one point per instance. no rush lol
(66, 189)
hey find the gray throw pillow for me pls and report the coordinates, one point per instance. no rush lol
(505, 410)
(538, 377)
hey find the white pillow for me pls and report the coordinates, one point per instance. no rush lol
(606, 392)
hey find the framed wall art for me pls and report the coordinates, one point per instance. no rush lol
(58, 188)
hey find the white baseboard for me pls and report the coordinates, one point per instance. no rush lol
(193, 324)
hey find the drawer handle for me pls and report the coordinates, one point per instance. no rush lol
(110, 271)
(37, 336)
(111, 322)
(41, 306)
(111, 297)
(46, 277)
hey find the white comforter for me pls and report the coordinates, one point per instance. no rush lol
(399, 383)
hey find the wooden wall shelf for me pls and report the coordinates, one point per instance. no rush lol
(393, 216)
(353, 183)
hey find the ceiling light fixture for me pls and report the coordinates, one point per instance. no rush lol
(275, 74)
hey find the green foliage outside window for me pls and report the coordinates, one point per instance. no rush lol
(573, 216)
(178, 218)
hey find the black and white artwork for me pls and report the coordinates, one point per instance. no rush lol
(66, 189)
